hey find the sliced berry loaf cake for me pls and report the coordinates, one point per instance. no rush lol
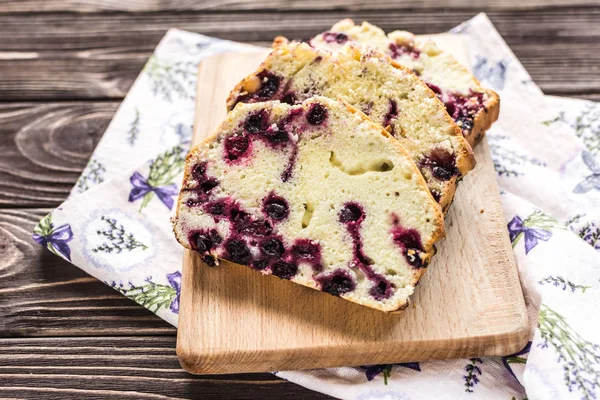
(390, 94)
(472, 107)
(316, 193)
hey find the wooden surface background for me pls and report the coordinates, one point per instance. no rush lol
(64, 67)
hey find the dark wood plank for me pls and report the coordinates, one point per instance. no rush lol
(21, 33)
(45, 146)
(97, 56)
(122, 367)
(89, 6)
(43, 295)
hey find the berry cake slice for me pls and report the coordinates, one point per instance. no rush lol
(472, 107)
(316, 193)
(390, 94)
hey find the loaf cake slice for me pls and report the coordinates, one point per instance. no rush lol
(316, 193)
(390, 94)
(472, 107)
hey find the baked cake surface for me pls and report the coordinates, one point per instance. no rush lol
(316, 193)
(472, 107)
(390, 94)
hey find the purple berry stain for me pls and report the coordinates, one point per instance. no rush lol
(205, 185)
(217, 208)
(352, 215)
(209, 185)
(462, 108)
(400, 50)
(335, 37)
(270, 85)
(286, 175)
(236, 146)
(436, 89)
(276, 136)
(337, 283)
(204, 240)
(272, 248)
(255, 126)
(289, 98)
(307, 251)
(391, 114)
(209, 260)
(257, 122)
(260, 265)
(237, 251)
(409, 241)
(246, 224)
(199, 171)
(316, 114)
(284, 270)
(275, 207)
(442, 164)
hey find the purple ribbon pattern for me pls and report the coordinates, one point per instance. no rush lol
(141, 187)
(175, 282)
(56, 240)
(516, 227)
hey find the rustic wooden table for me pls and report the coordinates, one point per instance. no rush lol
(65, 66)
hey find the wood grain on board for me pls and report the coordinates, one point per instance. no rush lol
(469, 303)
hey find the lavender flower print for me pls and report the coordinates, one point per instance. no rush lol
(54, 239)
(134, 129)
(587, 230)
(562, 283)
(580, 358)
(171, 78)
(152, 295)
(586, 126)
(508, 161)
(371, 371)
(591, 182)
(117, 238)
(163, 171)
(516, 359)
(534, 228)
(473, 374)
(93, 174)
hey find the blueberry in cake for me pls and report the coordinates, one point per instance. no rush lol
(472, 107)
(315, 193)
(390, 94)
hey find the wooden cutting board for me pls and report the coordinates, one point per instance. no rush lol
(469, 302)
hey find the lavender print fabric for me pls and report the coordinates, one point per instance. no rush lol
(546, 152)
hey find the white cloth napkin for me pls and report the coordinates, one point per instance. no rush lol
(546, 150)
